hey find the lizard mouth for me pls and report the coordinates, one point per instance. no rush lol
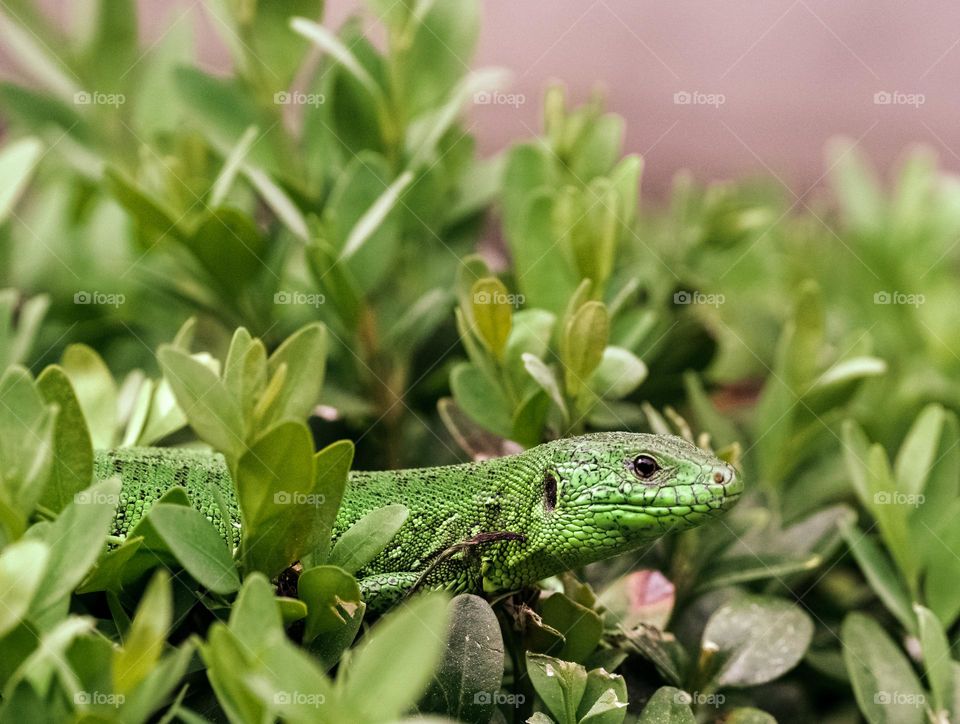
(714, 505)
(712, 496)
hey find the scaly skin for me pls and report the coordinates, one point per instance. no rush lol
(488, 526)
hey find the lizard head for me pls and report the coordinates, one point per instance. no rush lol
(607, 492)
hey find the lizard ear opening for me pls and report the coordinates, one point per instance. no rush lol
(549, 492)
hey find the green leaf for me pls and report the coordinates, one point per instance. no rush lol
(545, 377)
(936, 660)
(38, 668)
(225, 112)
(26, 447)
(580, 626)
(599, 148)
(374, 216)
(333, 602)
(357, 190)
(560, 684)
(113, 51)
(255, 617)
(492, 314)
(204, 399)
(529, 168)
(625, 177)
(471, 671)
(799, 349)
(757, 639)
(107, 574)
(230, 248)
(419, 322)
(73, 458)
(530, 418)
(15, 344)
(245, 370)
(22, 566)
(708, 418)
(304, 353)
(274, 48)
(483, 402)
(389, 670)
(255, 669)
(277, 199)
(732, 570)
(891, 512)
(748, 715)
(884, 684)
(157, 686)
(143, 644)
(583, 343)
(545, 277)
(151, 215)
(604, 699)
(333, 46)
(879, 573)
(224, 657)
(279, 503)
(31, 42)
(367, 538)
(855, 185)
(196, 545)
(333, 468)
(96, 392)
(941, 582)
(838, 384)
(530, 334)
(668, 705)
(76, 538)
(436, 52)
(231, 167)
(916, 455)
(619, 373)
(17, 161)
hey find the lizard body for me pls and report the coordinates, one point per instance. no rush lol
(489, 526)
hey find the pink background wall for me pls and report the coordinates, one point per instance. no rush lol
(791, 73)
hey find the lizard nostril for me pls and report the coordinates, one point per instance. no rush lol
(722, 477)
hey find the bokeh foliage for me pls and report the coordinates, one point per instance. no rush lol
(304, 265)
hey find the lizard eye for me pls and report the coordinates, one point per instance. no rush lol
(549, 492)
(644, 466)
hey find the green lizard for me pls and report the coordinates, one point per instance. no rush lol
(490, 526)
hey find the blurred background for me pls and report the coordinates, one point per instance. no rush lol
(787, 75)
(736, 222)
